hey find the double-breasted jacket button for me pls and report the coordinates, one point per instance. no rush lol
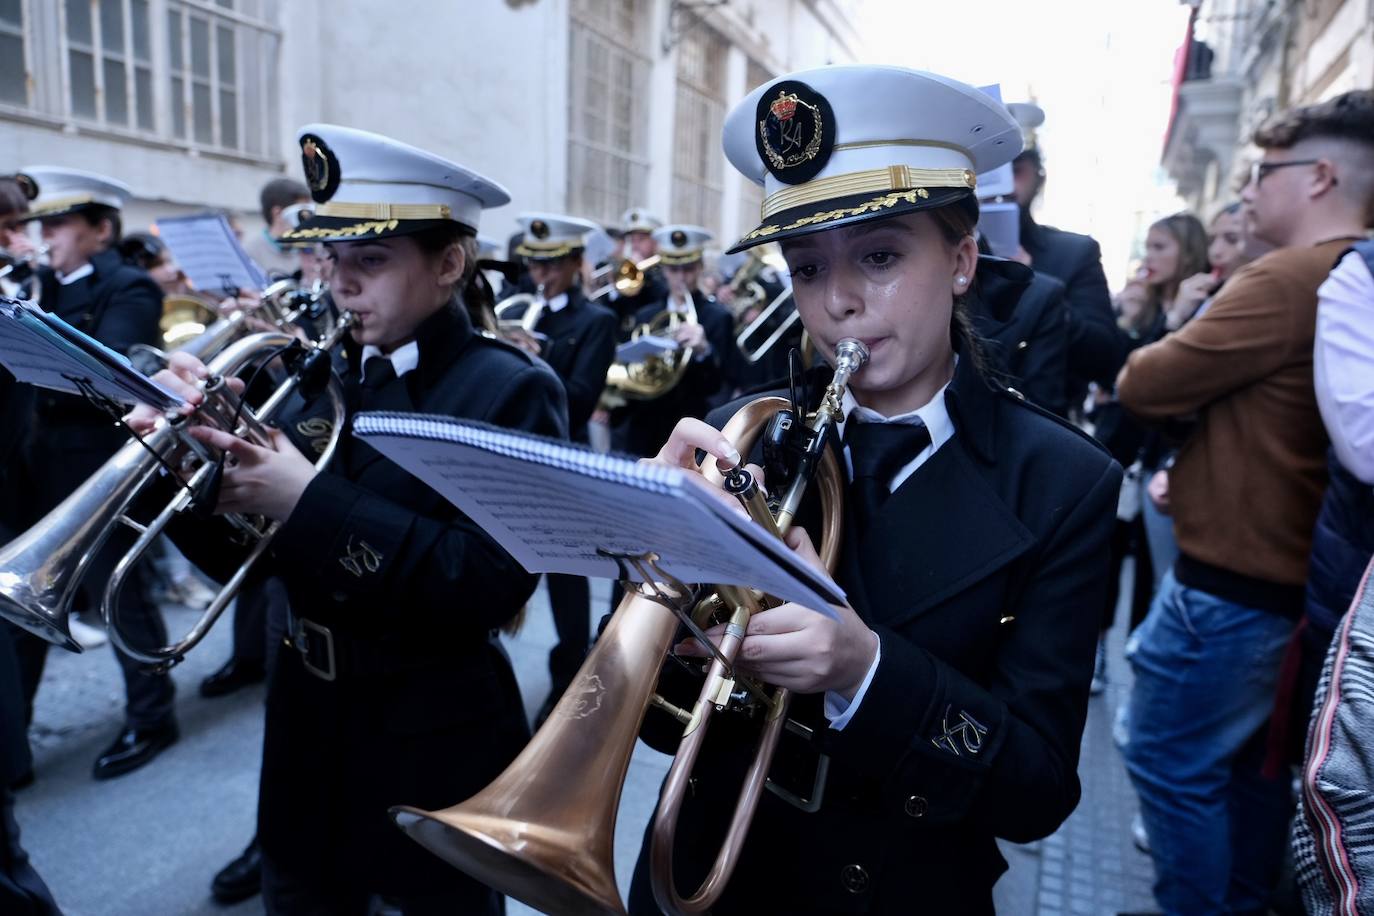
(340, 596)
(854, 878)
(916, 806)
(1022, 344)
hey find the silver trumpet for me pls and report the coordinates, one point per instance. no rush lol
(40, 569)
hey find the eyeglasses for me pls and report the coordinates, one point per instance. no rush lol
(1259, 169)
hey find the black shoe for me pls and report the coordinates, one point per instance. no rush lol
(133, 748)
(241, 878)
(235, 675)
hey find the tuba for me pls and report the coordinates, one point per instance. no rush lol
(40, 569)
(655, 376)
(543, 831)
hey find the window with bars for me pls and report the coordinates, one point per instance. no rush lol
(193, 72)
(698, 166)
(14, 87)
(608, 164)
(219, 68)
(109, 62)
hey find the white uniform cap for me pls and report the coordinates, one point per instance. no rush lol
(60, 191)
(637, 219)
(370, 186)
(840, 144)
(489, 249)
(681, 244)
(552, 235)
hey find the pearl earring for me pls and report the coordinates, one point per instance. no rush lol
(963, 280)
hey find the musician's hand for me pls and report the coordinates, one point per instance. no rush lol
(522, 339)
(691, 335)
(183, 376)
(259, 480)
(250, 302)
(690, 434)
(801, 649)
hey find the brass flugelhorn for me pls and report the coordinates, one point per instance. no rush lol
(40, 569)
(651, 378)
(544, 830)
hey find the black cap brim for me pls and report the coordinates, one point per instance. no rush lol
(846, 211)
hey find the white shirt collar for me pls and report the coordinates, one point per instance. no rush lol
(934, 414)
(85, 270)
(557, 303)
(680, 305)
(403, 359)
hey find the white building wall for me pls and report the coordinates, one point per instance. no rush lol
(484, 82)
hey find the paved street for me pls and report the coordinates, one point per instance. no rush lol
(147, 844)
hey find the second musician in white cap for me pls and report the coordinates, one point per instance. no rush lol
(392, 688)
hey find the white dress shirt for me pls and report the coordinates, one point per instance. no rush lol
(935, 415)
(1343, 363)
(403, 359)
(557, 303)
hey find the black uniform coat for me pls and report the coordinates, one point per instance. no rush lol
(580, 348)
(1030, 348)
(426, 711)
(16, 402)
(705, 384)
(983, 576)
(1095, 353)
(119, 305)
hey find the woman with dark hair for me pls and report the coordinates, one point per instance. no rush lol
(362, 715)
(945, 701)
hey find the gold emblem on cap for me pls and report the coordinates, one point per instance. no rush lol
(678, 238)
(539, 229)
(794, 149)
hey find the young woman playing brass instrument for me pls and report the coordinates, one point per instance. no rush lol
(362, 713)
(944, 703)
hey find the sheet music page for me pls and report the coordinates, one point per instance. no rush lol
(206, 249)
(43, 350)
(643, 347)
(554, 519)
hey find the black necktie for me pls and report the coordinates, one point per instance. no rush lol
(877, 451)
(378, 371)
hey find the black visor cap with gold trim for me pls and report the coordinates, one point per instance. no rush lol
(838, 212)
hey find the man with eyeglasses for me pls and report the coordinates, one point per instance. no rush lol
(1245, 492)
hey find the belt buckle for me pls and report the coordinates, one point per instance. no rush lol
(810, 803)
(313, 641)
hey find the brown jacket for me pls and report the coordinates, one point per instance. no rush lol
(1246, 487)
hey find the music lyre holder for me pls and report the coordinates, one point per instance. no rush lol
(678, 597)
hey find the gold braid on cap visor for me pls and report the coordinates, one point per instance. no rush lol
(891, 178)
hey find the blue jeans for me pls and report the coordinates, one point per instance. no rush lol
(1205, 675)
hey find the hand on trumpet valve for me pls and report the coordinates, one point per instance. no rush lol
(691, 436)
(265, 480)
(184, 376)
(799, 648)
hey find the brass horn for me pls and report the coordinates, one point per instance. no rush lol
(517, 317)
(625, 276)
(655, 376)
(543, 831)
(40, 569)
